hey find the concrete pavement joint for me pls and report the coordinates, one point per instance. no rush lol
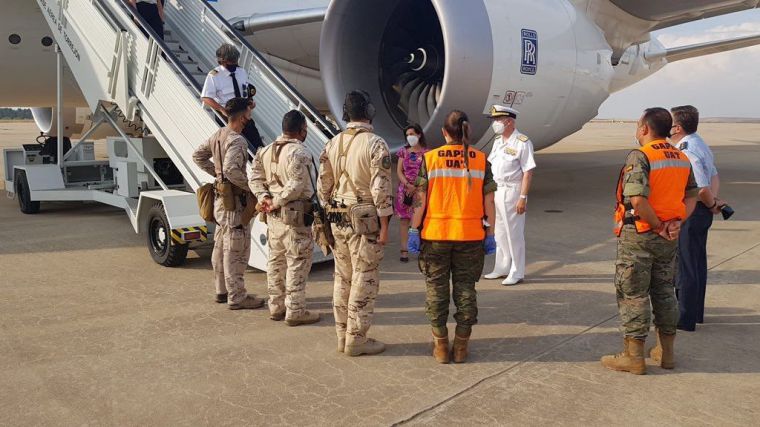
(734, 257)
(501, 372)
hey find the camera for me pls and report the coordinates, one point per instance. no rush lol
(249, 91)
(726, 211)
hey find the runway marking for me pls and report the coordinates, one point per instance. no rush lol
(594, 247)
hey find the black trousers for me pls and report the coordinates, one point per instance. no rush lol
(691, 279)
(250, 133)
(149, 13)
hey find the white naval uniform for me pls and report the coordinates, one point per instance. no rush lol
(510, 158)
(218, 85)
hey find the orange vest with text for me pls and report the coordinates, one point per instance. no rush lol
(669, 171)
(455, 195)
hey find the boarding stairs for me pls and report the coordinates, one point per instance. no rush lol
(122, 67)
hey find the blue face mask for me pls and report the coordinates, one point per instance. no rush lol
(231, 67)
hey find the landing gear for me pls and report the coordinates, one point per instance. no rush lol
(163, 249)
(23, 194)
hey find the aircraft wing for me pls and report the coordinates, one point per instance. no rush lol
(674, 12)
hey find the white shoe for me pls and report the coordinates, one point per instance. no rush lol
(511, 281)
(494, 275)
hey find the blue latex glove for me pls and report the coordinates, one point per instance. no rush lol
(490, 245)
(414, 241)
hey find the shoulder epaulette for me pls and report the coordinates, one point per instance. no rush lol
(213, 72)
(523, 138)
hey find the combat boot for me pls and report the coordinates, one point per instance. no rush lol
(369, 347)
(306, 318)
(221, 298)
(441, 348)
(663, 352)
(277, 317)
(341, 345)
(631, 359)
(248, 303)
(459, 349)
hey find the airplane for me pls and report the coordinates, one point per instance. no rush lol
(556, 61)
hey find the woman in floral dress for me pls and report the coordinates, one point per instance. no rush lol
(409, 162)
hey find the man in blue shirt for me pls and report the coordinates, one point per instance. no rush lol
(691, 279)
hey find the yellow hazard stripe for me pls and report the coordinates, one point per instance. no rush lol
(179, 233)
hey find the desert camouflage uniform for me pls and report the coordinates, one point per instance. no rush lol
(290, 247)
(451, 270)
(645, 265)
(357, 258)
(232, 239)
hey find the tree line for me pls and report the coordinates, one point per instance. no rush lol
(15, 114)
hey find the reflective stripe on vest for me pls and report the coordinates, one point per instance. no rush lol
(454, 195)
(669, 171)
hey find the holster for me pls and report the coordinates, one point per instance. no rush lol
(249, 207)
(364, 219)
(322, 230)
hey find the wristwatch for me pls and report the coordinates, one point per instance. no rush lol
(524, 196)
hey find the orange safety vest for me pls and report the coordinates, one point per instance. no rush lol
(454, 195)
(669, 171)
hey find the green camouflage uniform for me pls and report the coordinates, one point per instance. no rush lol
(451, 270)
(645, 265)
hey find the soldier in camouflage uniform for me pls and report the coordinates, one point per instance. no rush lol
(281, 179)
(232, 239)
(455, 193)
(355, 169)
(656, 192)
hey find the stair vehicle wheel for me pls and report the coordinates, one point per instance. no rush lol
(163, 249)
(23, 194)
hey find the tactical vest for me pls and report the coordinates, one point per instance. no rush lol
(669, 171)
(454, 195)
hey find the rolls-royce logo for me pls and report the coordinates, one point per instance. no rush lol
(529, 52)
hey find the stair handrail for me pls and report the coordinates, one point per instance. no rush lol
(168, 54)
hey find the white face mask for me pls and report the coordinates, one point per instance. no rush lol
(413, 140)
(498, 127)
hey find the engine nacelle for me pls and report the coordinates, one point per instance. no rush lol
(420, 59)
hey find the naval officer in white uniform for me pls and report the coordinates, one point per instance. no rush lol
(512, 164)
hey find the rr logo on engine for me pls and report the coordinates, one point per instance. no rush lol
(529, 52)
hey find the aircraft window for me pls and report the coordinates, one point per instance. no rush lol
(14, 39)
(47, 41)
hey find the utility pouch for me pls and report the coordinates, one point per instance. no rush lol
(364, 219)
(224, 190)
(205, 196)
(294, 213)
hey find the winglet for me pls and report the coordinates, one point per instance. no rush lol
(702, 49)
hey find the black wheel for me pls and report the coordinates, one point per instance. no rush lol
(163, 249)
(23, 194)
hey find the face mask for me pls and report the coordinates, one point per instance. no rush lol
(498, 127)
(413, 140)
(231, 67)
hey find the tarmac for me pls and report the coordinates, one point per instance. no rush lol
(92, 332)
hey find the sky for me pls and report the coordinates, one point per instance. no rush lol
(722, 85)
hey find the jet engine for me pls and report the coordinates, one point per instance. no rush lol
(420, 59)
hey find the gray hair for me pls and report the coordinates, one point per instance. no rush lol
(228, 52)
